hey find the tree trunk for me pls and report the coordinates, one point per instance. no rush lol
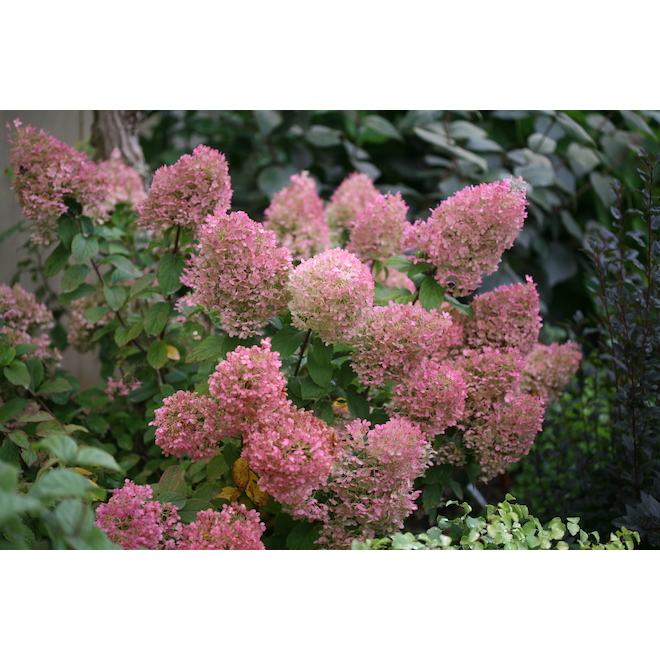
(119, 129)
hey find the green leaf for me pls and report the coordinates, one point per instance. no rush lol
(382, 126)
(157, 354)
(302, 537)
(431, 294)
(573, 128)
(127, 269)
(36, 369)
(402, 264)
(169, 269)
(96, 313)
(63, 446)
(156, 318)
(115, 296)
(322, 352)
(216, 467)
(287, 341)
(12, 505)
(57, 260)
(141, 284)
(7, 354)
(58, 483)
(19, 438)
(346, 374)
(190, 509)
(323, 136)
(173, 481)
(357, 404)
(12, 408)
(461, 307)
(18, 374)
(93, 456)
(125, 334)
(267, 120)
(84, 248)
(323, 410)
(311, 390)
(74, 277)
(79, 292)
(55, 386)
(321, 373)
(210, 348)
(67, 230)
(173, 498)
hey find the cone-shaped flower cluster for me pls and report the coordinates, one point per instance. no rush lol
(466, 234)
(548, 369)
(190, 423)
(47, 172)
(507, 316)
(297, 216)
(124, 186)
(231, 528)
(394, 337)
(183, 194)
(132, 519)
(239, 273)
(330, 294)
(378, 232)
(349, 200)
(370, 492)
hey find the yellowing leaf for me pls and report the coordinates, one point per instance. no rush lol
(229, 493)
(82, 471)
(241, 473)
(173, 353)
(340, 403)
(259, 497)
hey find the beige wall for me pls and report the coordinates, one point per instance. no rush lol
(72, 127)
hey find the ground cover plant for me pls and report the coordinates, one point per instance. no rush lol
(295, 383)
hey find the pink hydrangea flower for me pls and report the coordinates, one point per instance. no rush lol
(27, 321)
(121, 387)
(189, 423)
(133, 520)
(124, 186)
(431, 394)
(505, 434)
(297, 216)
(239, 273)
(548, 369)
(466, 234)
(393, 338)
(292, 451)
(349, 200)
(378, 232)
(46, 173)
(248, 385)
(183, 194)
(370, 492)
(507, 316)
(330, 294)
(231, 528)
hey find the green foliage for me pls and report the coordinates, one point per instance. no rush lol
(507, 526)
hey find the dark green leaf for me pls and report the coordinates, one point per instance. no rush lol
(382, 126)
(63, 446)
(58, 483)
(431, 294)
(461, 307)
(210, 348)
(173, 481)
(125, 266)
(311, 390)
(170, 268)
(79, 292)
(57, 260)
(18, 374)
(157, 354)
(93, 456)
(74, 277)
(573, 128)
(67, 230)
(96, 314)
(115, 296)
(323, 410)
(189, 511)
(357, 404)
(287, 341)
(346, 374)
(55, 386)
(141, 284)
(156, 318)
(302, 537)
(12, 408)
(125, 334)
(36, 369)
(402, 264)
(84, 248)
(216, 467)
(176, 499)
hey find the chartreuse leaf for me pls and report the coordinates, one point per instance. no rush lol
(170, 268)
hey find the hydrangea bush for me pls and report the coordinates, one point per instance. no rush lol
(291, 383)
